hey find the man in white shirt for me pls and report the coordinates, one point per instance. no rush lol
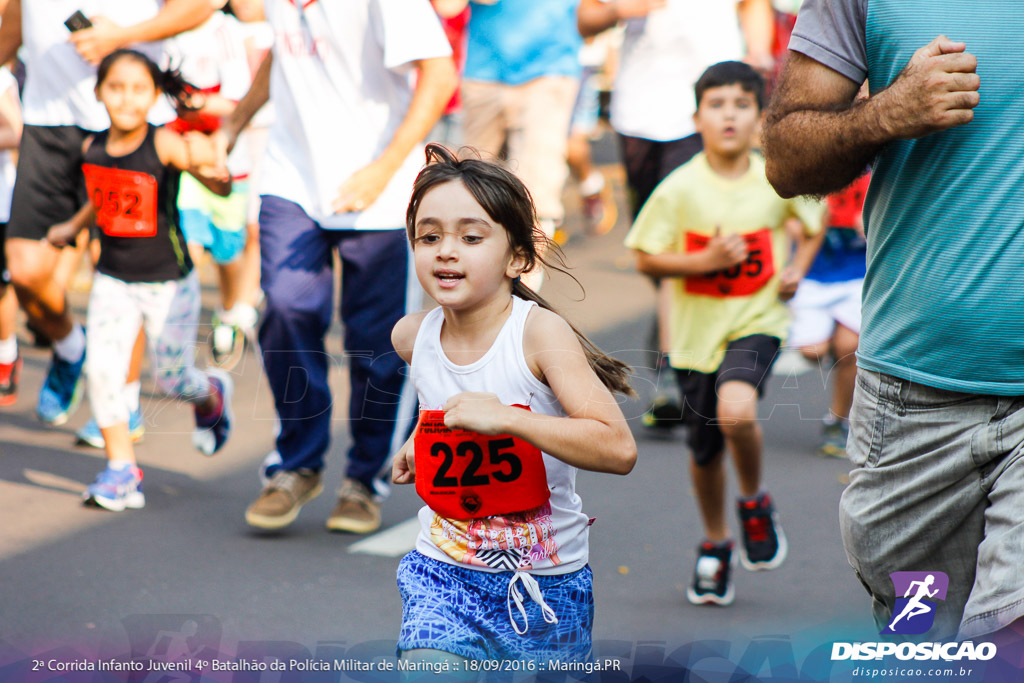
(60, 111)
(340, 162)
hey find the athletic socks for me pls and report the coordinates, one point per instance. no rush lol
(592, 184)
(9, 350)
(240, 315)
(72, 347)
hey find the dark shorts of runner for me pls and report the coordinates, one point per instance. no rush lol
(648, 162)
(50, 187)
(746, 360)
(5, 276)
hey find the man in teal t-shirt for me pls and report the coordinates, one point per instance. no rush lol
(938, 419)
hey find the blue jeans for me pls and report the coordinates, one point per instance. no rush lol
(937, 485)
(298, 281)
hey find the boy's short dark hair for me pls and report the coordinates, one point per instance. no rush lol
(731, 73)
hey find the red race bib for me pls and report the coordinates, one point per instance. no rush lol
(845, 206)
(743, 279)
(125, 201)
(466, 475)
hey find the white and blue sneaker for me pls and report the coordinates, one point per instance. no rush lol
(212, 431)
(90, 434)
(62, 391)
(116, 490)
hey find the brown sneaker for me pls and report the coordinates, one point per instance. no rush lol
(279, 503)
(356, 512)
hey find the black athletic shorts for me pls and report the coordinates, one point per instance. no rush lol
(746, 360)
(50, 186)
(5, 276)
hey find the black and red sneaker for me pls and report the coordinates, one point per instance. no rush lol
(10, 373)
(712, 577)
(764, 544)
(213, 429)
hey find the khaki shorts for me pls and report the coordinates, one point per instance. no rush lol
(937, 485)
(531, 122)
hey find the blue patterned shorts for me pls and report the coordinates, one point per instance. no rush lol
(466, 612)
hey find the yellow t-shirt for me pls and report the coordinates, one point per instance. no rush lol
(711, 310)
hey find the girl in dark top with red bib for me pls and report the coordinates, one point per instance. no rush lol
(144, 276)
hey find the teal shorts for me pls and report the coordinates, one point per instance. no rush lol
(216, 223)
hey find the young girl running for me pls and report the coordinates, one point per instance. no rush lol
(144, 276)
(513, 400)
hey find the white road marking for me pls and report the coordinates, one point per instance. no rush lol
(392, 542)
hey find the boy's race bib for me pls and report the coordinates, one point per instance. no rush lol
(466, 475)
(744, 278)
(125, 201)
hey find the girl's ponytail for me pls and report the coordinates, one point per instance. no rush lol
(174, 85)
(612, 372)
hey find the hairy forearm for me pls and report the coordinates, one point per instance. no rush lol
(817, 152)
(818, 140)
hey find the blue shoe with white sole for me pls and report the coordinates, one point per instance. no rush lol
(62, 391)
(116, 490)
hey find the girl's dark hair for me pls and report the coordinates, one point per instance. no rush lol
(170, 82)
(507, 201)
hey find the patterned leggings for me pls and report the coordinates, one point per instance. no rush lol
(169, 312)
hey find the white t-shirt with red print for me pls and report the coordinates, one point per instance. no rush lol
(341, 85)
(59, 84)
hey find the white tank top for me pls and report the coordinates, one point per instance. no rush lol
(549, 540)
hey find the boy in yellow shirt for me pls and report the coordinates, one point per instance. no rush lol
(718, 229)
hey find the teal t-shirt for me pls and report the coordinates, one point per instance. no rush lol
(945, 213)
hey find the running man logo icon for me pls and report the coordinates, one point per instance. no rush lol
(914, 612)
